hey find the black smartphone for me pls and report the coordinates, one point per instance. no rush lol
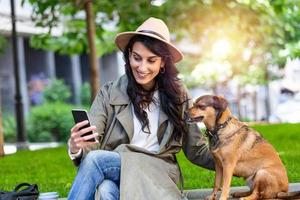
(80, 115)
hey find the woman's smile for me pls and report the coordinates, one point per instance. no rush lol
(142, 75)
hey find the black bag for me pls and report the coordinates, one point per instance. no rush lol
(30, 192)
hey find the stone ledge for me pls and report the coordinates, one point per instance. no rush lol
(197, 194)
(200, 194)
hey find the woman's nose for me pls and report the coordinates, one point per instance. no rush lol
(143, 65)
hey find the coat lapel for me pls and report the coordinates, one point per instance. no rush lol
(120, 100)
(164, 130)
(125, 118)
(162, 124)
(162, 117)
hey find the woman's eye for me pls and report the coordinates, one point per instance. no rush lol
(136, 58)
(151, 61)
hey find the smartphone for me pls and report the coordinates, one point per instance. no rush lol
(80, 115)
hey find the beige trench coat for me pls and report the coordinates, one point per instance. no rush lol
(144, 175)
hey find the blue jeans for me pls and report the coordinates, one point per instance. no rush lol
(99, 168)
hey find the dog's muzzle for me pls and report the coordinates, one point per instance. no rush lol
(191, 120)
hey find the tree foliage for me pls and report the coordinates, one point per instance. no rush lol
(260, 33)
(111, 17)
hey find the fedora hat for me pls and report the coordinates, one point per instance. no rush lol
(154, 28)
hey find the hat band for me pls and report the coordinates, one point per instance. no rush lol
(152, 32)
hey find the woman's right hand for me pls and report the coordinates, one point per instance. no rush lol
(77, 141)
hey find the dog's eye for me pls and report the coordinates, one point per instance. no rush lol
(201, 107)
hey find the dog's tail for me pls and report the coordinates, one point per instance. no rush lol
(289, 195)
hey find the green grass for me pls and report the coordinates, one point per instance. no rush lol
(52, 169)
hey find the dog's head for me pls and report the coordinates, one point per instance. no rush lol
(207, 109)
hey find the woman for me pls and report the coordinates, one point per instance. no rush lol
(139, 125)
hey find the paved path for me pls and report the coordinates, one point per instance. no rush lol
(10, 148)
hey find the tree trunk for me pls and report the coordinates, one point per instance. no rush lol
(94, 64)
(267, 96)
(239, 102)
(1, 133)
(254, 98)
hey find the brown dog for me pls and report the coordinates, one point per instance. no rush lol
(239, 150)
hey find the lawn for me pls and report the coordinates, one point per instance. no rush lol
(52, 170)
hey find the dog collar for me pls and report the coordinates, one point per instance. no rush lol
(210, 133)
(213, 136)
(220, 126)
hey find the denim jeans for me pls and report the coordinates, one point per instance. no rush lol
(99, 169)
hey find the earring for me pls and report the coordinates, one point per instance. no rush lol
(162, 70)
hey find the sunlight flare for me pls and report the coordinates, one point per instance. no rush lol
(221, 48)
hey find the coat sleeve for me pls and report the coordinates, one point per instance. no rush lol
(98, 118)
(194, 144)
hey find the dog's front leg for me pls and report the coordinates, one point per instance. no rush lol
(218, 180)
(227, 176)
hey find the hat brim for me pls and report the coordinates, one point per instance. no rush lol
(122, 40)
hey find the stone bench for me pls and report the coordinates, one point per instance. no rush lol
(198, 194)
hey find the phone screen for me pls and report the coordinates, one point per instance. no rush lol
(80, 115)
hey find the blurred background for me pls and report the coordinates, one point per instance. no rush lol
(245, 50)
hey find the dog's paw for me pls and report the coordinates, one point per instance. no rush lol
(211, 197)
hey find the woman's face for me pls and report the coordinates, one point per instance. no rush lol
(145, 65)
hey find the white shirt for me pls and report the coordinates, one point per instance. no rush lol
(144, 140)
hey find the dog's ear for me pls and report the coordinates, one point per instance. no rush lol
(220, 105)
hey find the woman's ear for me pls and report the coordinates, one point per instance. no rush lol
(162, 64)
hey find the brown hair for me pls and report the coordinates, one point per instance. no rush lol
(167, 83)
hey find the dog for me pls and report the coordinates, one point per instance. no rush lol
(240, 151)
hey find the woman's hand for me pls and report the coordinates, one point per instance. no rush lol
(77, 142)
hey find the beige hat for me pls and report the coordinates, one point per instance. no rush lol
(154, 28)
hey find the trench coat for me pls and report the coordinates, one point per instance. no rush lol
(144, 175)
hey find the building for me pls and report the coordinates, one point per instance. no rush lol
(38, 67)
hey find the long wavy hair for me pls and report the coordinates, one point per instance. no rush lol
(167, 83)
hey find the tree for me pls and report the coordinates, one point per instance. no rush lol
(94, 70)
(44, 9)
(111, 17)
(251, 25)
(260, 33)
